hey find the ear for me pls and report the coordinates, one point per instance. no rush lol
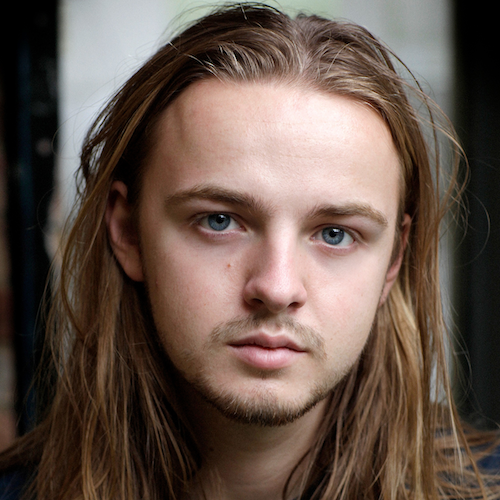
(122, 233)
(393, 271)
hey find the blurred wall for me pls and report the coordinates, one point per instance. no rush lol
(102, 41)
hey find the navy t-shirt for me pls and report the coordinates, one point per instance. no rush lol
(12, 485)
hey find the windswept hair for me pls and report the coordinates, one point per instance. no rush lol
(114, 428)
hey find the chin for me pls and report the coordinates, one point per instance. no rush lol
(263, 407)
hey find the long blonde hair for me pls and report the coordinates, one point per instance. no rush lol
(113, 427)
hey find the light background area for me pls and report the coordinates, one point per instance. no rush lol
(102, 42)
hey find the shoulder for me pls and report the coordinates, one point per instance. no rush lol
(12, 485)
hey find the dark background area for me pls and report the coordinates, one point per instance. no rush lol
(29, 117)
(29, 100)
(478, 274)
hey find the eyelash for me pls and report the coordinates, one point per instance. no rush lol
(318, 235)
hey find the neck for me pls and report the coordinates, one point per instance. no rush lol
(248, 462)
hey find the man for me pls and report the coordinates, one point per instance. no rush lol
(248, 304)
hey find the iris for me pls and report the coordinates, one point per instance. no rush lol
(333, 235)
(219, 222)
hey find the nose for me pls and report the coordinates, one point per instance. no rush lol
(275, 278)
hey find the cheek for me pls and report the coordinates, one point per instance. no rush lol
(347, 308)
(187, 293)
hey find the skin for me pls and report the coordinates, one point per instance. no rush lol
(267, 221)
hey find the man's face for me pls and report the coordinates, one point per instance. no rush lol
(266, 225)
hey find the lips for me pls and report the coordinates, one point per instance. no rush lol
(269, 342)
(267, 352)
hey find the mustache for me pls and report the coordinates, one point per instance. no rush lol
(238, 328)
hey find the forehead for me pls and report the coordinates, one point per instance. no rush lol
(285, 142)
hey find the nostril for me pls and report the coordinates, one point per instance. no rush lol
(273, 303)
(256, 303)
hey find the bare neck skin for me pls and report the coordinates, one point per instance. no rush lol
(248, 462)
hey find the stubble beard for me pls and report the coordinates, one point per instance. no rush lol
(263, 407)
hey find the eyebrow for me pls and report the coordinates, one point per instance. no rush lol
(254, 205)
(222, 195)
(351, 210)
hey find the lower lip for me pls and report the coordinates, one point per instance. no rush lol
(264, 358)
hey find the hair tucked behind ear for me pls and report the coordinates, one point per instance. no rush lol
(114, 428)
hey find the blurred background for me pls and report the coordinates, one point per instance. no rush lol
(62, 59)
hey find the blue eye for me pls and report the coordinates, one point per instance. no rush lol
(218, 222)
(336, 236)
